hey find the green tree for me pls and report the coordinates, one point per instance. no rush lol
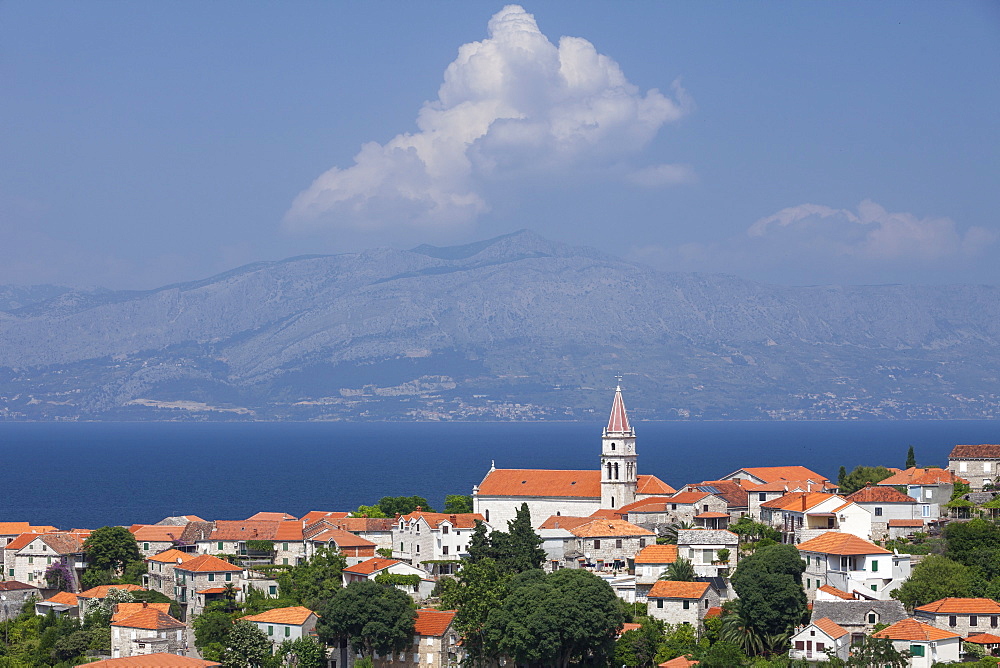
(520, 548)
(314, 581)
(370, 511)
(749, 530)
(307, 652)
(911, 458)
(371, 617)
(246, 647)
(768, 584)
(934, 578)
(479, 544)
(841, 477)
(861, 476)
(877, 652)
(403, 505)
(679, 640)
(482, 587)
(457, 503)
(553, 620)
(722, 655)
(108, 551)
(211, 632)
(681, 570)
(640, 647)
(71, 646)
(975, 544)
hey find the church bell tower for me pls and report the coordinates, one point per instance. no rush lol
(619, 477)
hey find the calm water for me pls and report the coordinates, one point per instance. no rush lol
(92, 474)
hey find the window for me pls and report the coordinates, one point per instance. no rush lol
(874, 587)
(272, 590)
(704, 508)
(872, 618)
(444, 528)
(444, 550)
(878, 512)
(270, 630)
(993, 621)
(659, 603)
(673, 506)
(31, 560)
(400, 546)
(400, 525)
(220, 546)
(284, 546)
(229, 577)
(145, 546)
(917, 650)
(762, 496)
(618, 543)
(597, 543)
(687, 605)
(963, 467)
(288, 631)
(10, 574)
(952, 620)
(284, 561)
(642, 543)
(874, 565)
(819, 647)
(211, 577)
(973, 620)
(487, 514)
(417, 548)
(808, 560)
(987, 466)
(928, 493)
(800, 645)
(925, 511)
(612, 446)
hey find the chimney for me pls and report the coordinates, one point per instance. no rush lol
(453, 518)
(419, 509)
(145, 604)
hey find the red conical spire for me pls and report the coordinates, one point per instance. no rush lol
(619, 418)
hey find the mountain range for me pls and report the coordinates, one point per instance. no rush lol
(512, 328)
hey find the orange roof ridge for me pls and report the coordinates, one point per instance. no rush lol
(954, 605)
(431, 622)
(677, 589)
(911, 629)
(150, 619)
(836, 542)
(205, 563)
(295, 614)
(830, 628)
(601, 528)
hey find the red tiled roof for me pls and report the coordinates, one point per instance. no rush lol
(911, 629)
(370, 566)
(317, 515)
(653, 503)
(629, 626)
(157, 660)
(983, 451)
(560, 484)
(799, 501)
(714, 611)
(284, 530)
(830, 628)
(14, 528)
(835, 542)
(271, 516)
(171, 556)
(676, 589)
(207, 563)
(63, 598)
(650, 484)
(618, 422)
(710, 516)
(962, 606)
(906, 523)
(149, 618)
(363, 524)
(687, 498)
(870, 494)
(156, 532)
(564, 522)
(431, 622)
(613, 528)
(296, 615)
(733, 491)
(915, 476)
(795, 486)
(123, 610)
(657, 554)
(830, 589)
(679, 662)
(341, 538)
(14, 585)
(776, 473)
(212, 590)
(21, 541)
(102, 590)
(984, 639)
(457, 520)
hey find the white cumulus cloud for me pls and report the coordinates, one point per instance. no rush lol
(511, 106)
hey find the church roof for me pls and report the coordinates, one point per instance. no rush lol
(542, 482)
(619, 418)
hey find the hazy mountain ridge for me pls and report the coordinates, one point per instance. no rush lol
(466, 332)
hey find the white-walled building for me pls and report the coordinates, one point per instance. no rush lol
(281, 624)
(852, 564)
(820, 640)
(926, 644)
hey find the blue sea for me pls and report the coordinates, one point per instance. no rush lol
(88, 475)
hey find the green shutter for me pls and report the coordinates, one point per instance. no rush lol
(874, 565)
(917, 650)
(220, 546)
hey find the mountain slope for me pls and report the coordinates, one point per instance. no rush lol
(466, 332)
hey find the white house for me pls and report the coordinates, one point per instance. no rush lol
(885, 505)
(702, 548)
(435, 542)
(800, 516)
(926, 644)
(820, 640)
(371, 569)
(281, 624)
(852, 564)
(929, 487)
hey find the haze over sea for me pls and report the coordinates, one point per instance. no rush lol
(94, 474)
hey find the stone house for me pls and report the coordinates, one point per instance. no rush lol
(87, 600)
(965, 616)
(610, 544)
(155, 538)
(926, 644)
(681, 602)
(282, 624)
(734, 492)
(858, 616)
(851, 564)
(355, 548)
(931, 488)
(658, 512)
(147, 632)
(203, 579)
(820, 640)
(257, 542)
(13, 595)
(435, 642)
(800, 516)
(371, 569)
(435, 542)
(760, 494)
(11, 530)
(27, 557)
(159, 574)
(761, 475)
(559, 543)
(885, 504)
(701, 547)
(375, 529)
(651, 562)
(975, 463)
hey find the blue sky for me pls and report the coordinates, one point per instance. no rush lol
(798, 143)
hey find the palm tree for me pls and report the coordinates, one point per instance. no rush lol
(670, 531)
(229, 593)
(680, 571)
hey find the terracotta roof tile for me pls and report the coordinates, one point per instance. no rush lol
(657, 554)
(212, 590)
(171, 556)
(833, 591)
(835, 542)
(564, 522)
(316, 515)
(710, 516)
(964, 606)
(156, 532)
(795, 486)
(916, 476)
(776, 473)
(157, 660)
(733, 491)
(271, 516)
(687, 498)
(431, 622)
(102, 591)
(871, 494)
(830, 628)
(363, 524)
(341, 538)
(370, 566)
(559, 484)
(674, 589)
(799, 501)
(652, 504)
(123, 610)
(650, 484)
(458, 520)
(21, 541)
(911, 629)
(714, 611)
(629, 626)
(63, 598)
(14, 585)
(149, 618)
(984, 639)
(296, 615)
(983, 451)
(906, 523)
(679, 662)
(14, 528)
(207, 563)
(63, 542)
(286, 530)
(612, 528)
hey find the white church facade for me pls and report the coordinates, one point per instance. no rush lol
(573, 493)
